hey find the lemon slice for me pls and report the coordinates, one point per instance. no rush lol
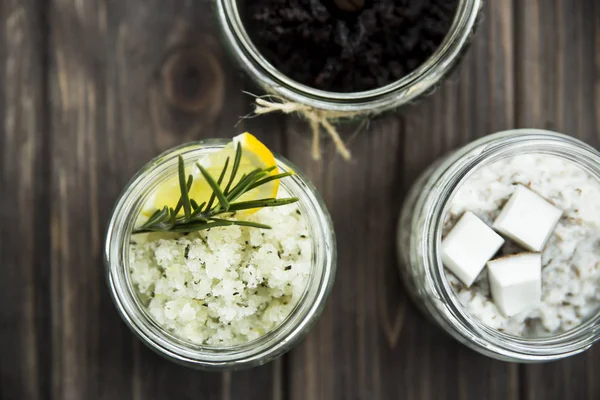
(254, 155)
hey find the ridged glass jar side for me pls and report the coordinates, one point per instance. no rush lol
(419, 238)
(268, 346)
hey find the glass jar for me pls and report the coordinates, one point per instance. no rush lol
(259, 351)
(420, 233)
(420, 82)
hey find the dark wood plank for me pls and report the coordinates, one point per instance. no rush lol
(24, 343)
(557, 75)
(557, 71)
(316, 354)
(92, 351)
(269, 381)
(371, 343)
(128, 80)
(116, 101)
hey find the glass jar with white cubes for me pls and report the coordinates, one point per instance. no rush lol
(499, 243)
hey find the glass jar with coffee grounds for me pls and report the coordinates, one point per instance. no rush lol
(354, 56)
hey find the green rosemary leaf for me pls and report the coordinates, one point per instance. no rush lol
(243, 179)
(251, 224)
(185, 198)
(219, 181)
(254, 175)
(247, 205)
(215, 187)
(173, 215)
(180, 202)
(156, 218)
(222, 176)
(198, 210)
(269, 179)
(198, 226)
(153, 217)
(163, 215)
(245, 182)
(144, 230)
(236, 166)
(194, 204)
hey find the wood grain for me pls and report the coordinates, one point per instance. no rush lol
(92, 351)
(557, 70)
(23, 215)
(371, 343)
(93, 89)
(558, 80)
(128, 80)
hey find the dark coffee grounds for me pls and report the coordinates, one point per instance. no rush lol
(348, 45)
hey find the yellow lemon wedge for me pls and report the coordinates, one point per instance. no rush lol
(255, 155)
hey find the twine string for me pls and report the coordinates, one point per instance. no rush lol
(317, 118)
(316, 146)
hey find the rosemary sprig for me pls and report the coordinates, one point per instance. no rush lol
(197, 217)
(185, 198)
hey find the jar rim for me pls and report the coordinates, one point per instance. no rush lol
(402, 91)
(458, 169)
(268, 346)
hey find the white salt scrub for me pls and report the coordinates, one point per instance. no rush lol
(226, 285)
(570, 259)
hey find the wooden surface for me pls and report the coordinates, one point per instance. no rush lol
(92, 89)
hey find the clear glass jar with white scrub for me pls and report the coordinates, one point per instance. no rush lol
(406, 90)
(266, 347)
(420, 234)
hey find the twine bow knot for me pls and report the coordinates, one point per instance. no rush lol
(317, 119)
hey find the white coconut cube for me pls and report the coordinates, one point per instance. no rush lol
(528, 219)
(516, 282)
(468, 246)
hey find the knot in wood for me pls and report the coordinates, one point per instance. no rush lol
(192, 79)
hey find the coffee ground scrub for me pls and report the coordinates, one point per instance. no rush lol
(348, 45)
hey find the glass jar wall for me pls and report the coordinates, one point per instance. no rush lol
(256, 352)
(418, 83)
(420, 234)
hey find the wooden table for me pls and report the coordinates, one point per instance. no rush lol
(92, 89)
